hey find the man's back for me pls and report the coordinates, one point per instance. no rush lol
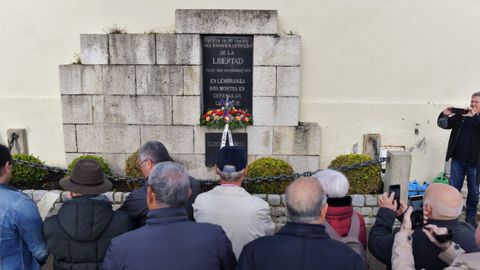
(170, 241)
(301, 247)
(79, 235)
(242, 216)
(21, 238)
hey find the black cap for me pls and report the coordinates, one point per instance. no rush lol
(234, 156)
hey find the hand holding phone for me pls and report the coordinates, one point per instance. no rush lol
(459, 111)
(396, 196)
(416, 202)
(440, 236)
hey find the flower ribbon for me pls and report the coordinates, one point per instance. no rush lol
(224, 137)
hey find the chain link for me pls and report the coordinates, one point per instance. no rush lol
(247, 180)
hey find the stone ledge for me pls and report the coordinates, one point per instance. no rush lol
(300, 140)
(94, 49)
(182, 49)
(127, 49)
(221, 21)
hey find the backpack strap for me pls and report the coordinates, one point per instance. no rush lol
(331, 232)
(354, 230)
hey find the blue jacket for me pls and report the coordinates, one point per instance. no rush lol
(299, 246)
(170, 241)
(21, 231)
(135, 204)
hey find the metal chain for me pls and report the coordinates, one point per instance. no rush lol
(247, 180)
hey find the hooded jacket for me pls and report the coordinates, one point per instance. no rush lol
(80, 234)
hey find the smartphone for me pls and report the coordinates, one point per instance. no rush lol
(416, 202)
(459, 111)
(396, 189)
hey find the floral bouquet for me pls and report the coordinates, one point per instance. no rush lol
(227, 114)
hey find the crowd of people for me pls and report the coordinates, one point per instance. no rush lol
(168, 223)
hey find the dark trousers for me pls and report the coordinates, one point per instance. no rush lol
(457, 175)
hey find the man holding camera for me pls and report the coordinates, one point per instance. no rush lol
(463, 149)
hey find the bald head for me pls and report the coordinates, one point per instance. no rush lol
(305, 200)
(443, 202)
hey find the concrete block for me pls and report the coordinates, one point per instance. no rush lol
(397, 171)
(281, 220)
(186, 110)
(288, 81)
(20, 146)
(302, 164)
(264, 81)
(273, 199)
(94, 49)
(118, 197)
(300, 140)
(192, 80)
(279, 211)
(80, 79)
(358, 200)
(38, 195)
(195, 165)
(199, 136)
(367, 211)
(261, 196)
(159, 80)
(115, 161)
(282, 198)
(180, 49)
(260, 140)
(177, 139)
(76, 109)
(118, 80)
(276, 111)
(370, 200)
(59, 192)
(132, 109)
(128, 49)
(108, 138)
(217, 21)
(277, 51)
(69, 138)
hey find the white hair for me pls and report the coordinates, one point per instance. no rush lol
(333, 182)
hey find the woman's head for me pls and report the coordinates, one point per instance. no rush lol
(333, 182)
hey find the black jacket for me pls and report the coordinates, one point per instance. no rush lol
(79, 235)
(425, 253)
(136, 203)
(170, 241)
(455, 124)
(301, 247)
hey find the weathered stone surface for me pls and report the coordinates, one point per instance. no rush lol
(283, 202)
(304, 163)
(128, 49)
(159, 80)
(80, 79)
(264, 81)
(76, 109)
(358, 200)
(118, 80)
(94, 49)
(260, 140)
(199, 137)
(69, 138)
(397, 171)
(301, 140)
(195, 165)
(116, 162)
(108, 138)
(273, 199)
(261, 196)
(370, 200)
(277, 51)
(192, 80)
(279, 211)
(178, 49)
(186, 110)
(132, 109)
(118, 197)
(276, 111)
(367, 211)
(216, 21)
(177, 139)
(288, 81)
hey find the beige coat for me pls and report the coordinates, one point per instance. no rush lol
(455, 256)
(242, 216)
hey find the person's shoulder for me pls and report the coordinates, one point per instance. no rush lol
(50, 223)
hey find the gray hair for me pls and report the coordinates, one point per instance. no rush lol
(333, 182)
(229, 173)
(476, 94)
(170, 184)
(305, 199)
(155, 151)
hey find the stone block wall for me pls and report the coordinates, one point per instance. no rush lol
(131, 88)
(364, 204)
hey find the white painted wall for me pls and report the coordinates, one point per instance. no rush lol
(370, 66)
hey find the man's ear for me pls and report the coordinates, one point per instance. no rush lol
(150, 196)
(323, 213)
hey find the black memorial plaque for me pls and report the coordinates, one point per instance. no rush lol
(227, 71)
(213, 142)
